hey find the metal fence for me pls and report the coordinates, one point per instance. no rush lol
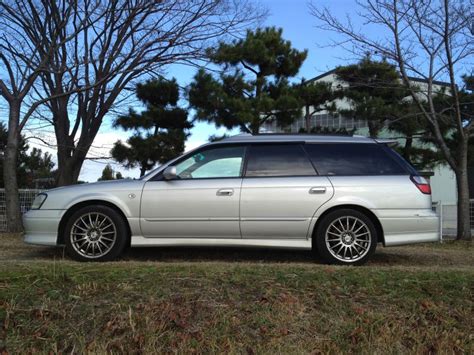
(447, 212)
(26, 199)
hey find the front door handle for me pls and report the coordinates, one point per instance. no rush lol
(317, 190)
(225, 192)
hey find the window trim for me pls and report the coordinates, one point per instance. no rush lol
(159, 176)
(383, 149)
(297, 143)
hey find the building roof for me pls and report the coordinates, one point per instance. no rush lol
(412, 78)
(312, 138)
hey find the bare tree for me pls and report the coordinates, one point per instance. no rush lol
(125, 40)
(432, 40)
(24, 55)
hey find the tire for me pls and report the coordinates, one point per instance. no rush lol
(346, 237)
(95, 233)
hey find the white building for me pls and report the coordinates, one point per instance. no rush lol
(443, 182)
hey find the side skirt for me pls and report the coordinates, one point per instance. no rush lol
(138, 241)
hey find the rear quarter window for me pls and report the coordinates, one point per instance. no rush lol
(270, 160)
(353, 159)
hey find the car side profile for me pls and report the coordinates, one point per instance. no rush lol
(339, 196)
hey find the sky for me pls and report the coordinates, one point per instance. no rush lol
(298, 26)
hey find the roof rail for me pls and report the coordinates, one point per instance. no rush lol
(308, 134)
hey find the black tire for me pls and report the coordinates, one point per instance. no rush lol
(99, 236)
(338, 244)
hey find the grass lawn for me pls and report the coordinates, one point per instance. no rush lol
(417, 299)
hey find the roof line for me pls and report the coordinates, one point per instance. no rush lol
(412, 78)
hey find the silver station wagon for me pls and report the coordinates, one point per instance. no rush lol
(339, 196)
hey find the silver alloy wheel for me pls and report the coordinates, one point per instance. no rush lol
(348, 239)
(93, 235)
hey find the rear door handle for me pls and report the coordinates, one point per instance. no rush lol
(225, 192)
(317, 190)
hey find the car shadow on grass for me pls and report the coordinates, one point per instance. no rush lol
(12, 248)
(250, 255)
(209, 254)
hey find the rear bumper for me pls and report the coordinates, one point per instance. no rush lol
(41, 226)
(409, 226)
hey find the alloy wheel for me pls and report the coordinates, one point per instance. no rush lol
(348, 239)
(93, 235)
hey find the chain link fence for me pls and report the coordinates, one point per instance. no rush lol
(26, 199)
(447, 212)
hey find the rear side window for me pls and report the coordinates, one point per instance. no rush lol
(278, 160)
(353, 159)
(400, 160)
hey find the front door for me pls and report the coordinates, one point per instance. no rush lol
(280, 192)
(203, 202)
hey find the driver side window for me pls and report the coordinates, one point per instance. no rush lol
(220, 162)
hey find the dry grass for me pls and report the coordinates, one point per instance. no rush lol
(415, 299)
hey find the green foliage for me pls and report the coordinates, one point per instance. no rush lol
(330, 131)
(444, 105)
(375, 92)
(159, 132)
(107, 174)
(32, 165)
(253, 86)
(315, 97)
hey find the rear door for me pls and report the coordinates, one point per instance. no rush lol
(280, 192)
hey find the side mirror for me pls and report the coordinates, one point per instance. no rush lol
(169, 173)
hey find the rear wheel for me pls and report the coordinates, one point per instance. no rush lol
(346, 237)
(95, 233)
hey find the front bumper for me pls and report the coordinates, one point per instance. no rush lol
(409, 226)
(41, 226)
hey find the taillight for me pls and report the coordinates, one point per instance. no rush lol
(421, 183)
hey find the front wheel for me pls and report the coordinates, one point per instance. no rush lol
(95, 233)
(346, 237)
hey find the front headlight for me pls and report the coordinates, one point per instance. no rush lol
(38, 202)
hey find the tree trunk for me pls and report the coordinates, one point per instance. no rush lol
(373, 129)
(407, 148)
(307, 119)
(68, 171)
(464, 221)
(71, 155)
(255, 128)
(12, 198)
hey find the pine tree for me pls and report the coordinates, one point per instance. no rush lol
(159, 132)
(374, 91)
(253, 86)
(376, 94)
(107, 174)
(314, 97)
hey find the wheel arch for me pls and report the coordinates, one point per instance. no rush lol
(72, 209)
(364, 210)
